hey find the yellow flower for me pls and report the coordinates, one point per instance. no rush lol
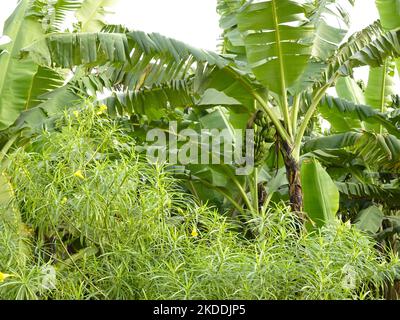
(76, 113)
(4, 276)
(26, 230)
(79, 175)
(102, 109)
(194, 233)
(64, 200)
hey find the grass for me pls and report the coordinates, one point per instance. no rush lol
(91, 220)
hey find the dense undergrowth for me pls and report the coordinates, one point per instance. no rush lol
(89, 219)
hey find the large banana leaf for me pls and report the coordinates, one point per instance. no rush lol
(389, 11)
(381, 152)
(321, 196)
(334, 141)
(67, 50)
(348, 90)
(90, 14)
(278, 41)
(16, 76)
(381, 87)
(44, 81)
(375, 53)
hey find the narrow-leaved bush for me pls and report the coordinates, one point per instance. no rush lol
(92, 220)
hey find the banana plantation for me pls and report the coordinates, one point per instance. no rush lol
(309, 208)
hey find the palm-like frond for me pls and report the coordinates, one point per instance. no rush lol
(93, 49)
(371, 46)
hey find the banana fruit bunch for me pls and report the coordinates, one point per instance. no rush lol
(264, 137)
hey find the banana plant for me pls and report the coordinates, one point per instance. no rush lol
(278, 57)
(294, 49)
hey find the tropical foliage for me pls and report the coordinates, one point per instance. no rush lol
(115, 227)
(326, 145)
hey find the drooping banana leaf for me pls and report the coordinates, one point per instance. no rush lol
(43, 116)
(379, 151)
(230, 83)
(278, 41)
(67, 50)
(334, 141)
(376, 53)
(52, 14)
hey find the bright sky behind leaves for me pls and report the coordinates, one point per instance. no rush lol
(192, 21)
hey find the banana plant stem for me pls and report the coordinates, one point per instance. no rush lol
(295, 112)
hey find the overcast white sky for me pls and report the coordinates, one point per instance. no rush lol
(192, 21)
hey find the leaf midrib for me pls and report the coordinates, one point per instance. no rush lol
(279, 48)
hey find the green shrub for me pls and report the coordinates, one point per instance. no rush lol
(100, 223)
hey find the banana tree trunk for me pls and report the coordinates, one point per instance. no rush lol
(293, 175)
